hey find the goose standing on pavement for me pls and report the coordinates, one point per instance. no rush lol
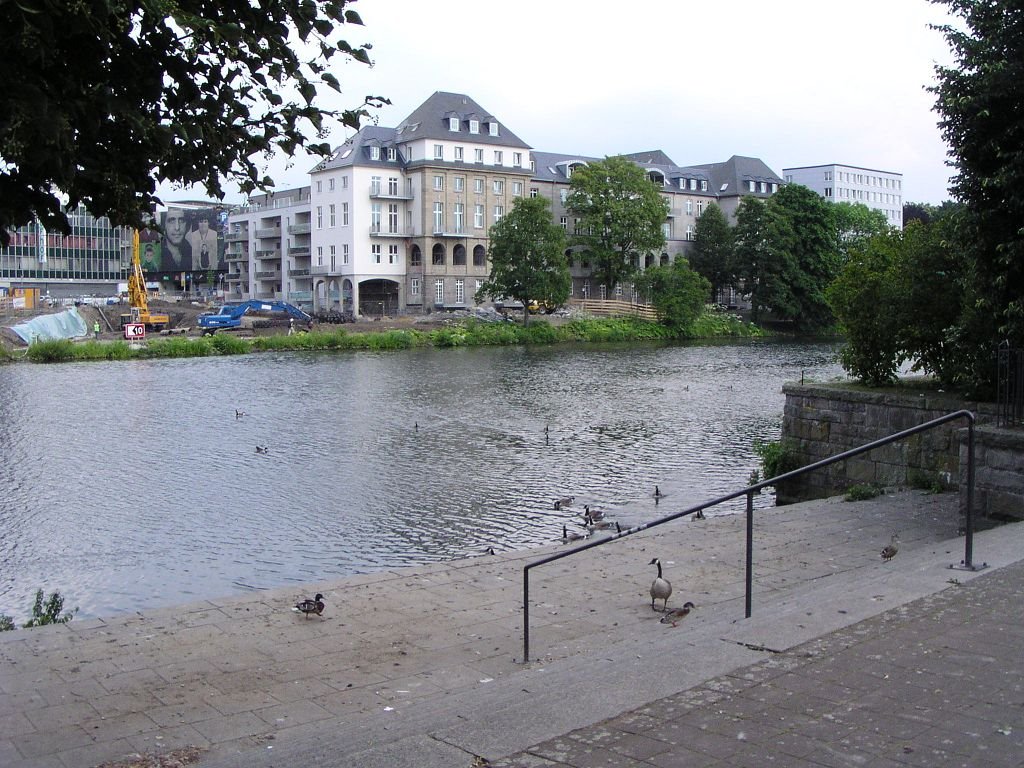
(661, 589)
(889, 550)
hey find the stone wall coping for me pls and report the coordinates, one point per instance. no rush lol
(849, 391)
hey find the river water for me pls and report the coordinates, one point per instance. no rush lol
(132, 485)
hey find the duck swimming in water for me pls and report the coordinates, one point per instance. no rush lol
(307, 606)
(661, 589)
(676, 615)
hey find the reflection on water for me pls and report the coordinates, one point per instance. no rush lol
(133, 485)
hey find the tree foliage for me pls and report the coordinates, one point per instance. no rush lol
(786, 255)
(677, 292)
(712, 252)
(980, 101)
(855, 224)
(103, 101)
(527, 257)
(620, 216)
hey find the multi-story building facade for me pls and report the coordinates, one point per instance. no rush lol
(397, 219)
(838, 183)
(93, 259)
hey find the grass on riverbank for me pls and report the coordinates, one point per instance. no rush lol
(466, 333)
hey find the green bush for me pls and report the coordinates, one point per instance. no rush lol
(51, 351)
(778, 457)
(862, 492)
(6, 623)
(226, 344)
(923, 480)
(48, 611)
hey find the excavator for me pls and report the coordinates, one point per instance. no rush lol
(137, 295)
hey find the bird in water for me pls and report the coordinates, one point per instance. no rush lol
(565, 501)
(661, 589)
(239, 414)
(657, 492)
(600, 525)
(676, 615)
(263, 449)
(593, 514)
(307, 606)
(889, 550)
(574, 536)
(699, 515)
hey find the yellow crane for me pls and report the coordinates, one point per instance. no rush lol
(137, 296)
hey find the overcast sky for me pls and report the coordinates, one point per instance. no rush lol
(794, 82)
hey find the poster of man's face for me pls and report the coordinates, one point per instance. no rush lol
(192, 240)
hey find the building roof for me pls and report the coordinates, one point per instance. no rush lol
(728, 178)
(840, 165)
(430, 121)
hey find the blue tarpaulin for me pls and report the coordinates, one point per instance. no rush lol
(62, 325)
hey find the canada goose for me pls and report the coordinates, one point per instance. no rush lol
(307, 606)
(593, 514)
(660, 587)
(600, 525)
(567, 537)
(889, 550)
(657, 492)
(699, 515)
(677, 614)
(262, 449)
(239, 414)
(565, 501)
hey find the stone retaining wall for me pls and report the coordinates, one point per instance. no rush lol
(823, 420)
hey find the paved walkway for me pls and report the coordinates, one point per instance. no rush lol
(422, 666)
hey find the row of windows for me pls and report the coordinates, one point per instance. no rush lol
(458, 217)
(867, 195)
(455, 125)
(459, 155)
(459, 185)
(865, 179)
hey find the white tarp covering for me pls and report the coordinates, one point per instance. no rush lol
(62, 325)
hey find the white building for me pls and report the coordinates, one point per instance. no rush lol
(881, 190)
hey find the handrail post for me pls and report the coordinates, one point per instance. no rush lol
(969, 523)
(526, 614)
(750, 550)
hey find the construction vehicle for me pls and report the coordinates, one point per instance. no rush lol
(245, 314)
(137, 296)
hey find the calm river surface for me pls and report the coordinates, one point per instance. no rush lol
(132, 485)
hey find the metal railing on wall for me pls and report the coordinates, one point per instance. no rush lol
(752, 490)
(1009, 386)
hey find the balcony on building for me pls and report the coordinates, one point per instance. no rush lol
(267, 232)
(299, 250)
(269, 275)
(379, 192)
(237, 237)
(300, 229)
(382, 231)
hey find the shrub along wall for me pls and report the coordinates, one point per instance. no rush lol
(823, 420)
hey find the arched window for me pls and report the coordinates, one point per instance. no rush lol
(438, 255)
(664, 259)
(479, 256)
(459, 255)
(415, 257)
(649, 260)
(568, 258)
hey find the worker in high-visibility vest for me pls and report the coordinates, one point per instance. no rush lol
(96, 329)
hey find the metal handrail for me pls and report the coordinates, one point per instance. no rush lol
(749, 492)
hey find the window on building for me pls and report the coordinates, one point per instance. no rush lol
(344, 253)
(478, 216)
(534, 191)
(498, 157)
(517, 159)
(700, 207)
(478, 155)
(458, 217)
(415, 257)
(499, 186)
(703, 185)
(479, 258)
(494, 128)
(459, 256)
(344, 214)
(750, 186)
(439, 152)
(393, 186)
(828, 191)
(666, 230)
(414, 286)
(478, 186)
(517, 188)
(319, 255)
(375, 253)
(393, 218)
(392, 254)
(375, 185)
(319, 217)
(499, 211)
(375, 153)
(689, 207)
(344, 182)
(460, 183)
(319, 187)
(438, 183)
(331, 216)
(693, 184)
(453, 124)
(458, 154)
(330, 184)
(392, 154)
(439, 291)
(564, 222)
(689, 231)
(375, 215)
(474, 126)
(563, 195)
(460, 291)
(439, 217)
(333, 255)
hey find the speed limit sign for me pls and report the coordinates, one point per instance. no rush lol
(134, 331)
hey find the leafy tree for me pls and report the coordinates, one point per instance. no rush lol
(712, 253)
(980, 101)
(786, 253)
(527, 257)
(855, 224)
(50, 611)
(106, 100)
(621, 215)
(677, 292)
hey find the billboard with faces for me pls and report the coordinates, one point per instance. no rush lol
(190, 240)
